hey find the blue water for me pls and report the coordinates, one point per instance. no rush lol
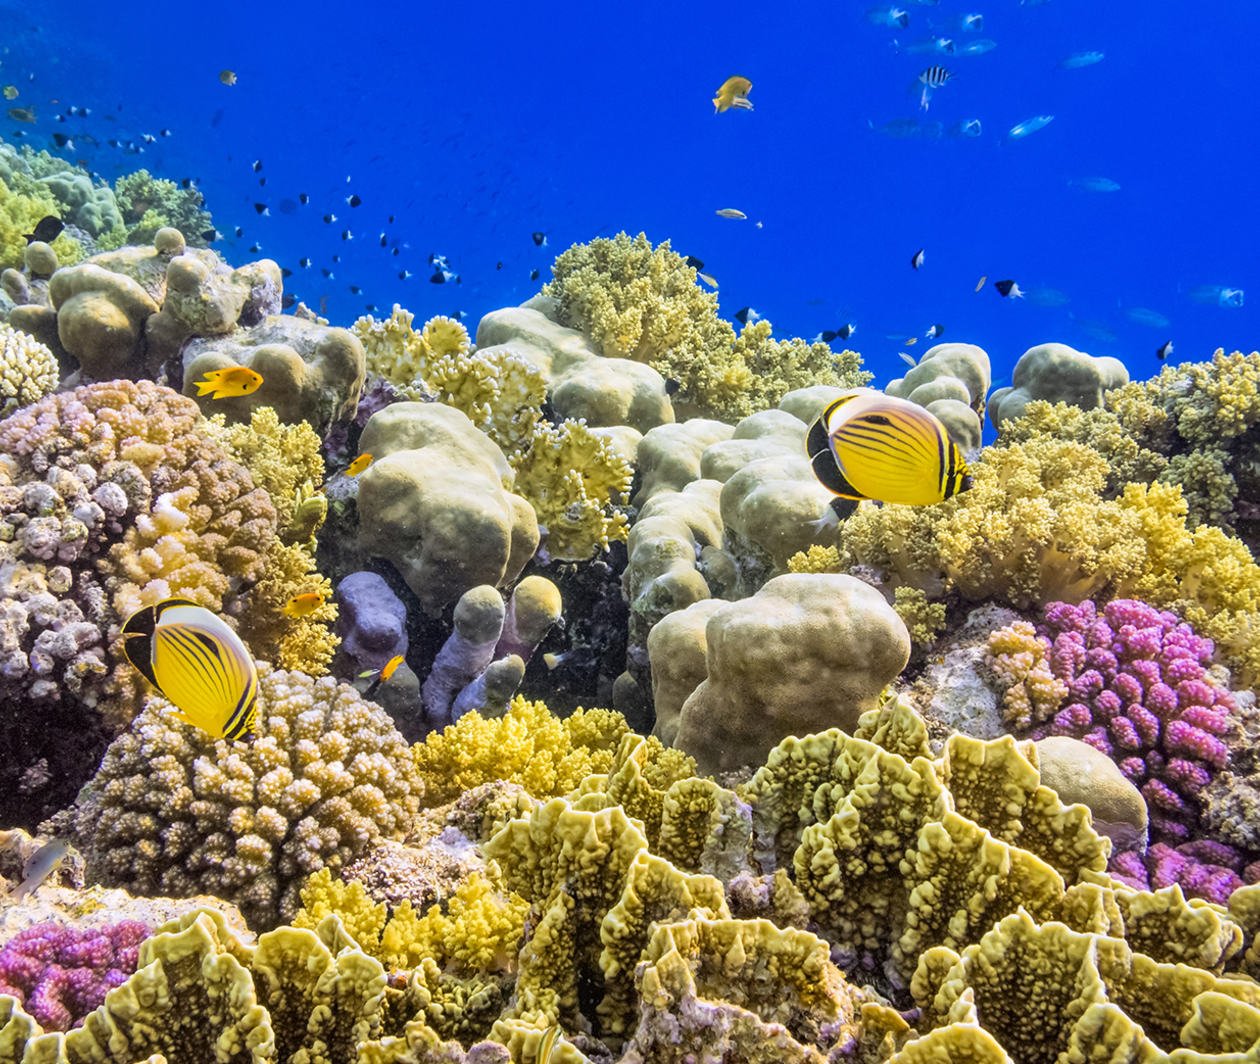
(477, 124)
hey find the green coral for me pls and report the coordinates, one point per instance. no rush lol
(639, 302)
(19, 214)
(151, 203)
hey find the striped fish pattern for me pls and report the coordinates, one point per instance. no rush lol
(868, 445)
(934, 77)
(198, 663)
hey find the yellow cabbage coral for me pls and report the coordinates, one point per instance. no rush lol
(395, 351)
(575, 481)
(529, 746)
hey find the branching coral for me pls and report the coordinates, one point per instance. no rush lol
(28, 370)
(172, 812)
(1132, 682)
(575, 481)
(60, 973)
(528, 746)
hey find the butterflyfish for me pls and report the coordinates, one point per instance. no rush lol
(227, 77)
(868, 445)
(229, 382)
(303, 605)
(548, 1044)
(733, 92)
(198, 663)
(359, 464)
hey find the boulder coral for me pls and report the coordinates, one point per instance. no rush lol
(952, 381)
(805, 653)
(1057, 373)
(310, 372)
(437, 503)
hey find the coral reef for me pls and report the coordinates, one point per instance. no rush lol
(643, 303)
(1057, 373)
(171, 811)
(310, 372)
(371, 620)
(952, 381)
(60, 974)
(437, 503)
(149, 203)
(111, 498)
(806, 651)
(1131, 681)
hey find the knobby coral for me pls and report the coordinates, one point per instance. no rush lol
(171, 811)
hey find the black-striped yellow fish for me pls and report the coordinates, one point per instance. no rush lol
(868, 445)
(198, 663)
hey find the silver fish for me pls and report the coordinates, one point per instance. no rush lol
(39, 866)
(1029, 125)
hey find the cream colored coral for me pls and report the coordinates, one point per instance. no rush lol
(28, 369)
(1020, 660)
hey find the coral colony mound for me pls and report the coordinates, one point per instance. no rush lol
(606, 684)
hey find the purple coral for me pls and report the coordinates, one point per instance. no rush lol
(1139, 691)
(1203, 869)
(60, 974)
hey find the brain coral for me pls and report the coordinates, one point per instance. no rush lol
(111, 497)
(172, 812)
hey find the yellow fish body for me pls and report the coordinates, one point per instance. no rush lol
(230, 381)
(733, 92)
(198, 663)
(383, 676)
(303, 605)
(551, 1037)
(359, 465)
(868, 445)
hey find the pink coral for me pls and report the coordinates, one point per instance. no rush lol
(1138, 690)
(60, 974)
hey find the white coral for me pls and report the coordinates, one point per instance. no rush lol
(28, 370)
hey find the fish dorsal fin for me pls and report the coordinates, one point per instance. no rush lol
(831, 476)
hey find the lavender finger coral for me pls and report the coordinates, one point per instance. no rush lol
(59, 974)
(1133, 682)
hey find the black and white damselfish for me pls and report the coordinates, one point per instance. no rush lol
(934, 77)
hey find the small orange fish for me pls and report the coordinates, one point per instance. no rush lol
(230, 381)
(303, 605)
(359, 465)
(383, 676)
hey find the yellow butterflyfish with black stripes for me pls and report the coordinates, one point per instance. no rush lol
(868, 445)
(198, 663)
